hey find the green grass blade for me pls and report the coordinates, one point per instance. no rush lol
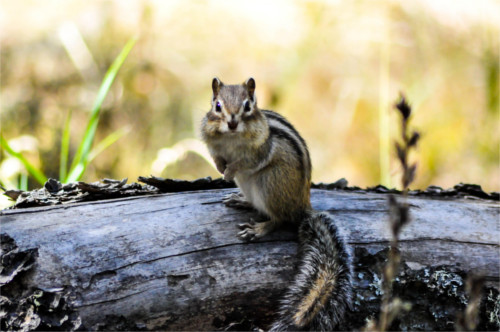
(36, 173)
(108, 141)
(100, 147)
(81, 158)
(76, 173)
(23, 182)
(63, 163)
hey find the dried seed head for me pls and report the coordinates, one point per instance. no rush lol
(403, 107)
(414, 139)
(401, 153)
(409, 175)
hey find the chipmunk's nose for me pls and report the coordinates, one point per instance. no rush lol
(233, 124)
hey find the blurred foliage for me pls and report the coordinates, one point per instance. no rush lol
(332, 67)
(85, 153)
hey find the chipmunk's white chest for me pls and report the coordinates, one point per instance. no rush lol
(252, 191)
(230, 150)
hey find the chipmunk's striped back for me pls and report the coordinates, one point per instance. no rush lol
(280, 128)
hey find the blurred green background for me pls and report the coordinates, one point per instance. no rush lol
(333, 68)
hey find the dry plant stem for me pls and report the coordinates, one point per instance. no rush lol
(398, 216)
(468, 320)
(390, 271)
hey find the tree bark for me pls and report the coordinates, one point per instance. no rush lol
(173, 261)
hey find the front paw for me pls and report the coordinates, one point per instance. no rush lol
(236, 200)
(220, 163)
(229, 173)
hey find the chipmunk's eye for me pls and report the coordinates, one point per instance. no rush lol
(246, 106)
(218, 108)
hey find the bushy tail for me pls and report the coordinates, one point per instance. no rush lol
(321, 291)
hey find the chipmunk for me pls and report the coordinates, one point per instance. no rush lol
(269, 162)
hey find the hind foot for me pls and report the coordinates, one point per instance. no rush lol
(253, 231)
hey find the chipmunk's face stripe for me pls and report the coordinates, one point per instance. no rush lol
(316, 299)
(247, 107)
(213, 117)
(227, 121)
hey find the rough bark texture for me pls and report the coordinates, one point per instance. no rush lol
(173, 261)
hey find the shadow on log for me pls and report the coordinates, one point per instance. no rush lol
(173, 261)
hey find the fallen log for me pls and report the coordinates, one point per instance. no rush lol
(173, 261)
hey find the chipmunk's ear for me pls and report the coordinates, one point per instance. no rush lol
(216, 85)
(250, 85)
